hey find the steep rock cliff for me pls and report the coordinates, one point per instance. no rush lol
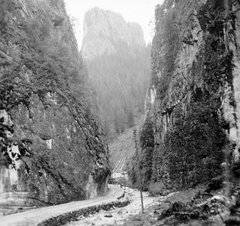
(52, 150)
(118, 63)
(193, 96)
(103, 30)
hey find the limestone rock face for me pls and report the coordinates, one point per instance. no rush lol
(52, 150)
(104, 29)
(118, 63)
(193, 97)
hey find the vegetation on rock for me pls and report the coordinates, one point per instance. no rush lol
(193, 110)
(44, 93)
(140, 167)
(118, 64)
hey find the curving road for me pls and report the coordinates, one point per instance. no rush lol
(119, 215)
(34, 217)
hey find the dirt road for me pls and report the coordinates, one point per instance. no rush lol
(119, 215)
(34, 217)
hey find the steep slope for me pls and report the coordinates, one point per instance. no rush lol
(193, 97)
(122, 149)
(52, 150)
(103, 30)
(118, 64)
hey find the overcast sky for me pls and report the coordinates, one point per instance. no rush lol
(140, 11)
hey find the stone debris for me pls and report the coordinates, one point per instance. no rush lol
(118, 215)
(81, 215)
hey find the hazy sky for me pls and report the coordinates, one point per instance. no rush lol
(140, 11)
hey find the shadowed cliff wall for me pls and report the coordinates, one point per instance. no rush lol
(52, 150)
(193, 96)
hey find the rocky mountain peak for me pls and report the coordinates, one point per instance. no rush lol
(103, 30)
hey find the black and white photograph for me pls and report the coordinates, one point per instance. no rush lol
(119, 112)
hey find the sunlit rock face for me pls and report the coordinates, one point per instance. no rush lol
(50, 143)
(195, 73)
(103, 30)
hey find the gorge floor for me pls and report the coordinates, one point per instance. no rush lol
(119, 216)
